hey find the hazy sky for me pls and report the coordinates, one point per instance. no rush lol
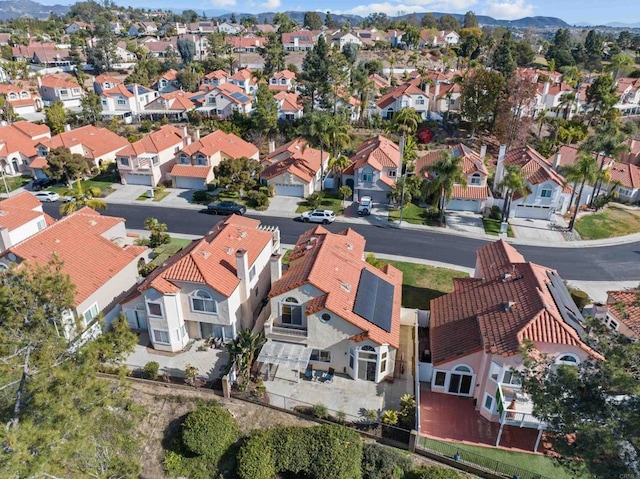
(572, 11)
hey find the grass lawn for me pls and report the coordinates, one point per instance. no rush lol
(329, 202)
(608, 223)
(157, 195)
(161, 253)
(421, 283)
(412, 214)
(543, 465)
(105, 187)
(14, 182)
(492, 227)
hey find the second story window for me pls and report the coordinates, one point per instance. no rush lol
(291, 312)
(367, 175)
(546, 193)
(124, 161)
(475, 179)
(203, 302)
(184, 159)
(201, 160)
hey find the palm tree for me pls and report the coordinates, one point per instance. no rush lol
(541, 119)
(446, 172)
(260, 76)
(338, 135)
(406, 121)
(317, 132)
(618, 62)
(337, 165)
(566, 104)
(345, 192)
(392, 60)
(513, 182)
(587, 172)
(243, 350)
(78, 197)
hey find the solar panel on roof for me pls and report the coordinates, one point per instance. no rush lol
(240, 97)
(374, 300)
(566, 305)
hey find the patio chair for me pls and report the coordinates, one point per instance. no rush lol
(329, 376)
(308, 374)
(318, 375)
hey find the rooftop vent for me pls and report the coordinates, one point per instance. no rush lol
(506, 277)
(509, 305)
(206, 254)
(228, 250)
(345, 287)
(349, 246)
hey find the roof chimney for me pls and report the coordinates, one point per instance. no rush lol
(499, 167)
(242, 271)
(67, 127)
(272, 146)
(275, 266)
(556, 161)
(506, 277)
(483, 152)
(196, 135)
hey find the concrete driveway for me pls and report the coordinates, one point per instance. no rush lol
(284, 206)
(465, 222)
(538, 231)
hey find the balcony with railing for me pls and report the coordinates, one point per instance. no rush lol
(516, 408)
(273, 329)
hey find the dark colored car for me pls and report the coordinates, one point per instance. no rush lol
(226, 208)
(42, 183)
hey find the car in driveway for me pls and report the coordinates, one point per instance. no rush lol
(318, 216)
(42, 183)
(365, 205)
(226, 208)
(47, 196)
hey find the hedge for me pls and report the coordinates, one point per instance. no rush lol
(209, 431)
(382, 462)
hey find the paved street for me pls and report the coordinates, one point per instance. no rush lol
(607, 263)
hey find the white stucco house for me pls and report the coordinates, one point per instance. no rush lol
(21, 216)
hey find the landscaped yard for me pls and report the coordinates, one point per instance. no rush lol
(421, 283)
(413, 214)
(330, 201)
(158, 195)
(543, 465)
(492, 227)
(613, 221)
(161, 253)
(105, 187)
(13, 183)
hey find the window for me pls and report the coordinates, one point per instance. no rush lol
(203, 302)
(613, 324)
(352, 357)
(488, 402)
(512, 378)
(570, 359)
(155, 160)
(160, 336)
(475, 179)
(252, 273)
(420, 101)
(42, 224)
(383, 363)
(154, 309)
(176, 149)
(624, 191)
(64, 93)
(392, 173)
(367, 175)
(494, 372)
(124, 161)
(325, 317)
(76, 91)
(24, 94)
(320, 356)
(13, 96)
(202, 160)
(91, 313)
(121, 100)
(291, 312)
(439, 379)
(104, 102)
(546, 193)
(184, 159)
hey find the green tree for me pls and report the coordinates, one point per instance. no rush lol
(91, 108)
(284, 23)
(189, 79)
(238, 174)
(314, 77)
(480, 90)
(620, 62)
(411, 37)
(273, 54)
(312, 21)
(560, 49)
(406, 121)
(66, 166)
(445, 173)
(593, 46)
(55, 117)
(470, 20)
(512, 124)
(602, 96)
(243, 350)
(448, 22)
(264, 116)
(503, 60)
(103, 55)
(344, 192)
(337, 165)
(429, 21)
(513, 183)
(79, 197)
(586, 172)
(592, 409)
(187, 50)
(158, 232)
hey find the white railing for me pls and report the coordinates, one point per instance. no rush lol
(300, 333)
(520, 419)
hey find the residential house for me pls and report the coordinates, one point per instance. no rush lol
(94, 253)
(195, 162)
(138, 29)
(124, 55)
(628, 90)
(168, 82)
(445, 97)
(442, 38)
(246, 44)
(622, 312)
(567, 156)
(244, 79)
(333, 310)
(295, 169)
(60, 88)
(17, 146)
(298, 41)
(21, 100)
(49, 55)
(340, 39)
(223, 100)
(116, 27)
(97, 145)
(549, 192)
(282, 81)
(162, 48)
(394, 38)
(373, 169)
(74, 27)
(126, 101)
(105, 82)
(21, 216)
(264, 29)
(369, 37)
(477, 333)
(174, 105)
(212, 288)
(149, 160)
(559, 99)
(215, 78)
(289, 106)
(633, 154)
(625, 181)
(406, 95)
(473, 196)
(230, 28)
(203, 27)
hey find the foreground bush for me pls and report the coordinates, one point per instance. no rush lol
(381, 462)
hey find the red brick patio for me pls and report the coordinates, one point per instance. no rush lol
(454, 418)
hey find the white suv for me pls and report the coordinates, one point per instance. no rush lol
(318, 216)
(365, 205)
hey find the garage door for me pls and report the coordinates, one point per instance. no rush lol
(190, 183)
(289, 190)
(132, 179)
(464, 205)
(534, 212)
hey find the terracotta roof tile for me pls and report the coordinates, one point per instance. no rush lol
(18, 210)
(191, 171)
(378, 152)
(166, 137)
(627, 174)
(296, 158)
(534, 166)
(228, 143)
(625, 307)
(98, 141)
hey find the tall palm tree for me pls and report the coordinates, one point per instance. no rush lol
(513, 183)
(587, 172)
(316, 130)
(541, 120)
(337, 164)
(618, 62)
(566, 104)
(446, 172)
(244, 348)
(260, 76)
(406, 121)
(338, 135)
(77, 197)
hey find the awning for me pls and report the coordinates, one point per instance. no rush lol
(294, 356)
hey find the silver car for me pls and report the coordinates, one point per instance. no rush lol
(318, 216)
(47, 196)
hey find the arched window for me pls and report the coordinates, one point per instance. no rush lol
(184, 159)
(24, 94)
(476, 179)
(13, 96)
(203, 302)
(568, 358)
(463, 368)
(291, 312)
(367, 175)
(201, 160)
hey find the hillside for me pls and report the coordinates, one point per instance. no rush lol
(28, 8)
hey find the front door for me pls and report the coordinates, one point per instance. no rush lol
(460, 384)
(207, 330)
(366, 370)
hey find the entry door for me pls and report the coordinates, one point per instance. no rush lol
(460, 384)
(141, 318)
(366, 370)
(207, 330)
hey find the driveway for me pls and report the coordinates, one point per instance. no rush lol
(537, 231)
(284, 206)
(465, 222)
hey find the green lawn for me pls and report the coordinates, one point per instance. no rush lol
(421, 283)
(492, 227)
(413, 214)
(608, 223)
(329, 201)
(158, 195)
(165, 251)
(546, 466)
(13, 183)
(105, 187)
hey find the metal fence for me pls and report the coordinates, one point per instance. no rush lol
(476, 460)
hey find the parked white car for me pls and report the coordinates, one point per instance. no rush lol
(47, 196)
(318, 216)
(365, 205)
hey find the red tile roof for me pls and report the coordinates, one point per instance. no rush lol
(406, 89)
(227, 143)
(290, 101)
(378, 152)
(625, 307)
(569, 155)
(534, 166)
(58, 81)
(19, 210)
(98, 141)
(508, 302)
(14, 139)
(296, 158)
(333, 264)
(211, 260)
(90, 259)
(471, 161)
(167, 136)
(191, 171)
(117, 90)
(628, 175)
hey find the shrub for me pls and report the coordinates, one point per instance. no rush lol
(209, 430)
(320, 411)
(255, 460)
(258, 199)
(201, 196)
(150, 370)
(382, 462)
(371, 415)
(145, 126)
(314, 200)
(390, 417)
(580, 298)
(433, 472)
(496, 213)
